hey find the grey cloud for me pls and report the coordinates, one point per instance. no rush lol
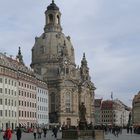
(106, 30)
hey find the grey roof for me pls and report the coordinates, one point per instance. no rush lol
(52, 6)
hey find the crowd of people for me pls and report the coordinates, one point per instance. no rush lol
(8, 134)
(38, 132)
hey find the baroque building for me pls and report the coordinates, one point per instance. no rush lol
(53, 57)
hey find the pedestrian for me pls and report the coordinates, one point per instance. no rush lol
(55, 130)
(18, 133)
(8, 134)
(45, 131)
(39, 131)
(34, 132)
(131, 129)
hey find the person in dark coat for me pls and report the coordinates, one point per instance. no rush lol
(18, 133)
(45, 131)
(55, 130)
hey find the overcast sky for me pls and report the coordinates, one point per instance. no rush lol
(108, 31)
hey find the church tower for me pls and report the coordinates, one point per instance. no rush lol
(53, 58)
(19, 57)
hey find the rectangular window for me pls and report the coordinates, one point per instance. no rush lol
(15, 84)
(5, 113)
(0, 80)
(9, 113)
(5, 101)
(0, 101)
(9, 102)
(5, 90)
(19, 113)
(12, 113)
(12, 92)
(28, 114)
(5, 81)
(12, 102)
(25, 113)
(1, 113)
(0, 90)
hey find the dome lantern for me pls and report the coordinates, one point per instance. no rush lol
(53, 16)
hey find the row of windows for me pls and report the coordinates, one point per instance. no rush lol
(8, 81)
(42, 108)
(108, 120)
(8, 102)
(106, 116)
(8, 113)
(41, 91)
(106, 111)
(27, 114)
(42, 116)
(8, 91)
(44, 100)
(28, 104)
(27, 86)
(27, 94)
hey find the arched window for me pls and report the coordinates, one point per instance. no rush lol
(58, 19)
(51, 18)
(52, 102)
(68, 103)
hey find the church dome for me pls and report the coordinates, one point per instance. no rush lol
(51, 46)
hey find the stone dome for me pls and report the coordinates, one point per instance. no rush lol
(52, 45)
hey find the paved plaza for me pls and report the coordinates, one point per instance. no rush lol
(123, 136)
(29, 136)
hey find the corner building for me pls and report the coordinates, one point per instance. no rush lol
(23, 95)
(68, 85)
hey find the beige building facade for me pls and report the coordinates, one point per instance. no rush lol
(136, 110)
(53, 57)
(19, 94)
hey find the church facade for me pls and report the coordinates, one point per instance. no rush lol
(68, 85)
